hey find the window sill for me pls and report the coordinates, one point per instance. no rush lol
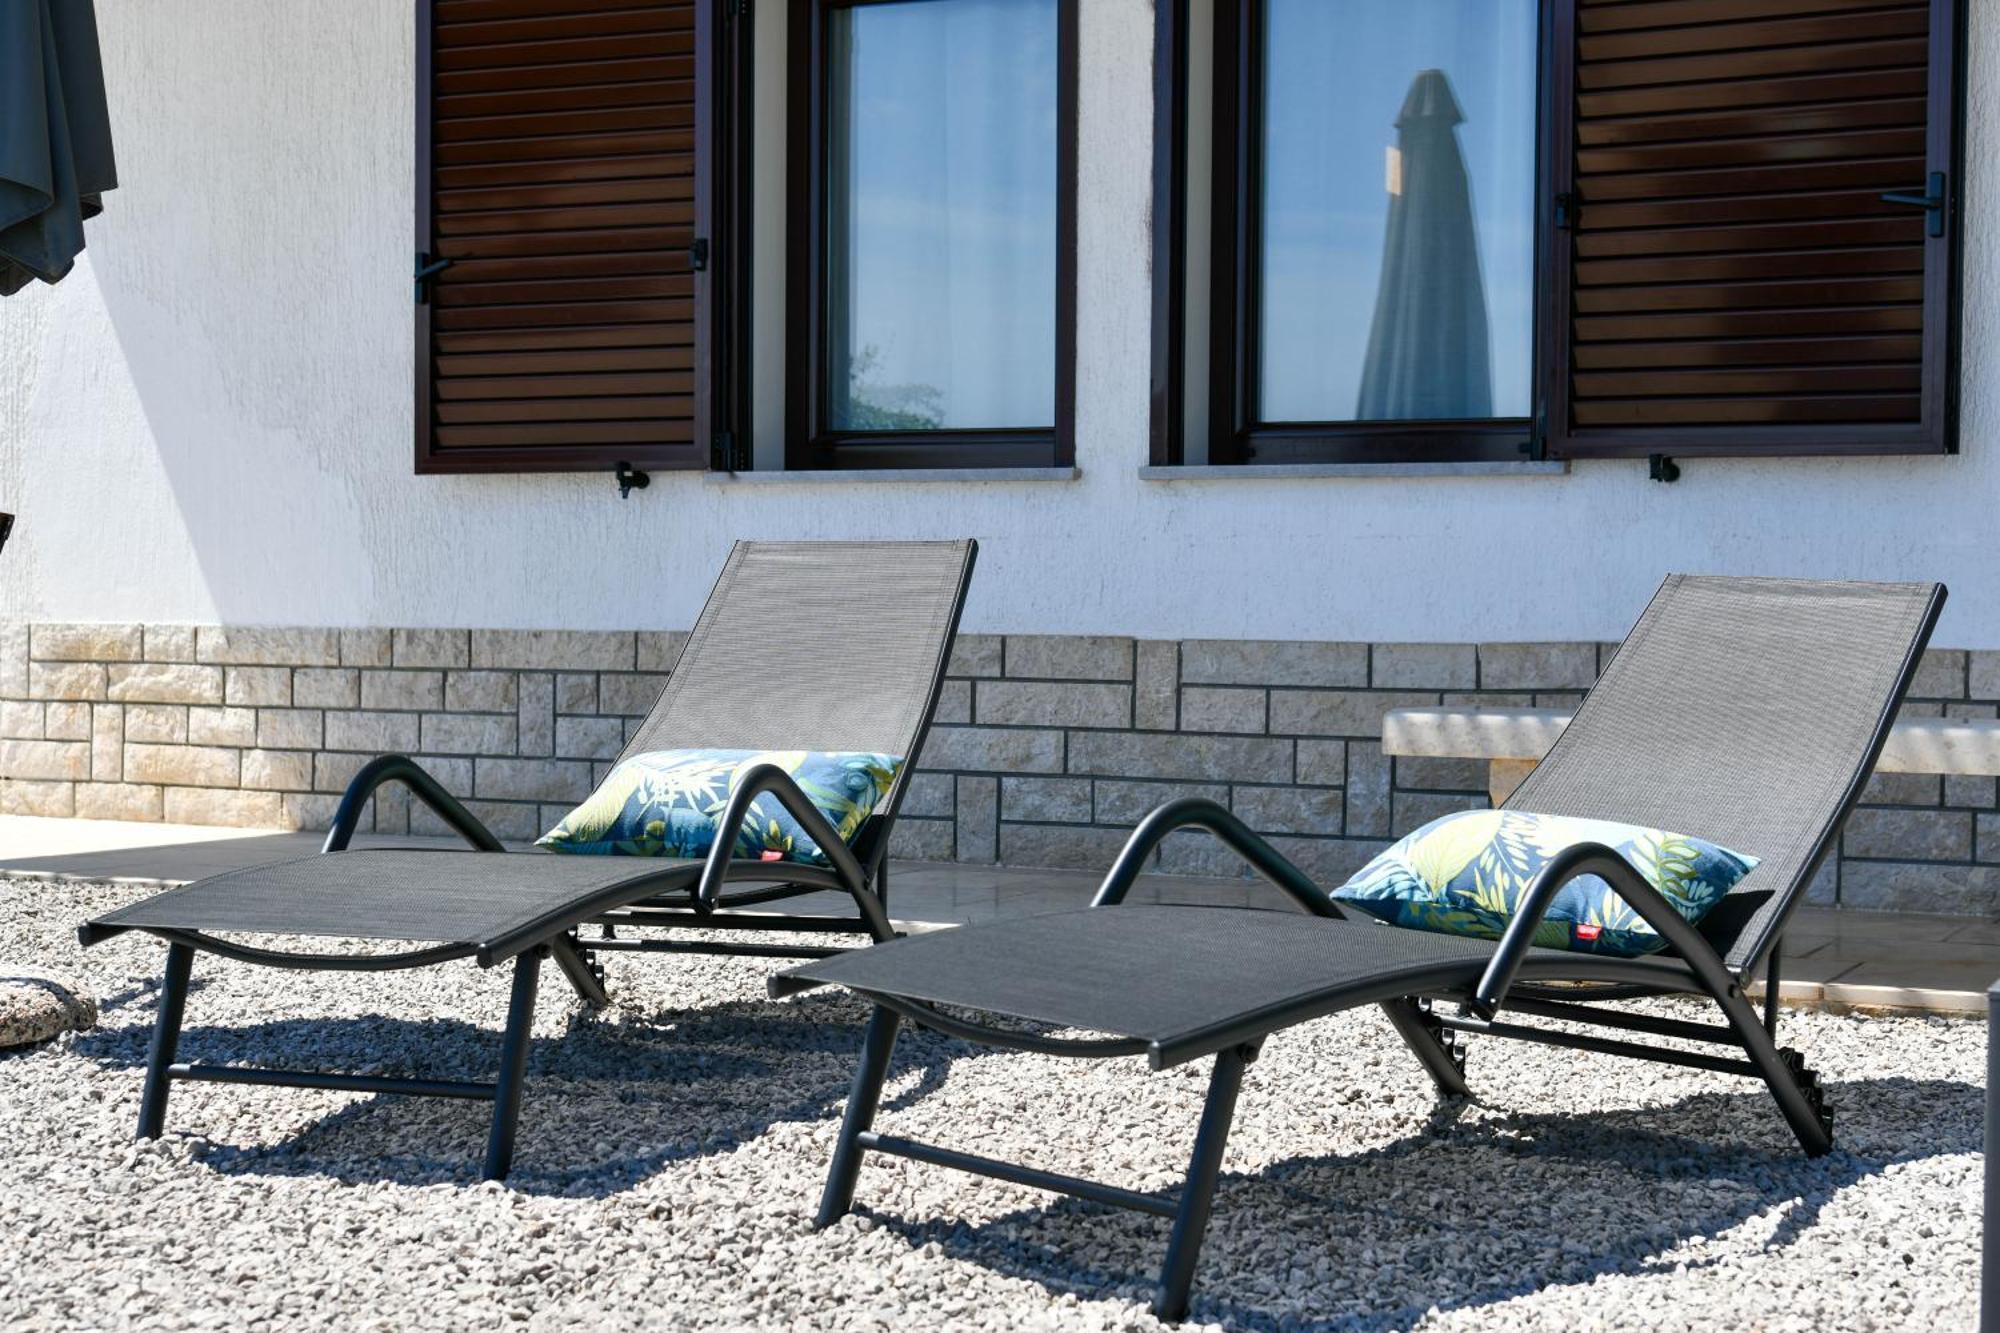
(1299, 471)
(891, 474)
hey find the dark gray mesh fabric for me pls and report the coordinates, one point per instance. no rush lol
(1158, 973)
(442, 897)
(1747, 712)
(814, 646)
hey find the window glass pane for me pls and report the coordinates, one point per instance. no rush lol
(1397, 254)
(941, 190)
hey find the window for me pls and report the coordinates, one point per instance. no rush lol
(932, 234)
(1476, 230)
(577, 272)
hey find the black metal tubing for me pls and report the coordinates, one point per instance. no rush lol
(166, 1039)
(681, 918)
(1014, 1173)
(1616, 1018)
(1009, 1039)
(1198, 812)
(513, 1065)
(1170, 1302)
(564, 949)
(862, 1100)
(1422, 1032)
(403, 769)
(771, 779)
(1580, 1041)
(721, 948)
(313, 1078)
(314, 962)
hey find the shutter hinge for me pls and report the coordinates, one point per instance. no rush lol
(739, 9)
(427, 268)
(724, 455)
(698, 254)
(1932, 201)
(1565, 211)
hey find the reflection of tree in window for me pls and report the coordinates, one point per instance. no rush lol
(872, 406)
(1429, 349)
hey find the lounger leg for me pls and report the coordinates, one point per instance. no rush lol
(513, 1065)
(577, 967)
(166, 1040)
(859, 1117)
(1795, 1087)
(1432, 1043)
(1198, 1195)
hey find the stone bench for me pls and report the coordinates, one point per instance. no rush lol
(1513, 740)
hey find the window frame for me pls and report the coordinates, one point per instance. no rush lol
(810, 444)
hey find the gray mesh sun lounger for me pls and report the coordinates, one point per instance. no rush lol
(1748, 711)
(768, 666)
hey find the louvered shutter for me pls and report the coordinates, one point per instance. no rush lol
(1728, 276)
(557, 181)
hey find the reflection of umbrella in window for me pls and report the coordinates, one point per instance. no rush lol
(55, 137)
(1428, 352)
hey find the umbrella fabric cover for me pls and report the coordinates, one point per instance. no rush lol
(1428, 351)
(55, 137)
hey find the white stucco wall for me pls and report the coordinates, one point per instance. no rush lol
(210, 420)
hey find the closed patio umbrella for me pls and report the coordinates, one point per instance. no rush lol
(1428, 349)
(55, 137)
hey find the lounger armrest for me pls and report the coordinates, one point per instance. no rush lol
(769, 778)
(403, 769)
(1593, 858)
(1197, 812)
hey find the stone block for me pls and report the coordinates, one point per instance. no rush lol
(86, 643)
(1969, 792)
(1193, 758)
(68, 721)
(576, 692)
(430, 648)
(1331, 862)
(1987, 838)
(214, 726)
(1427, 773)
(1823, 890)
(1413, 809)
(1982, 672)
(277, 770)
(23, 721)
(555, 649)
(531, 779)
(589, 737)
(659, 649)
(119, 800)
(1898, 886)
(1909, 835)
(536, 714)
(1124, 803)
(1212, 708)
(48, 799)
(922, 840)
(300, 810)
(1424, 666)
(45, 761)
(156, 724)
(165, 683)
(258, 687)
(1066, 846)
(1190, 852)
(453, 772)
(262, 645)
(107, 742)
(372, 733)
(1053, 704)
(1045, 800)
(1069, 657)
(236, 809)
(169, 643)
(182, 766)
(410, 691)
(1273, 662)
(1941, 674)
(495, 691)
(332, 772)
(365, 647)
(1322, 763)
(294, 728)
(1317, 811)
(1156, 678)
(977, 820)
(1356, 713)
(975, 655)
(1367, 790)
(13, 660)
(67, 680)
(629, 696)
(326, 687)
(1537, 666)
(928, 795)
(1902, 789)
(508, 821)
(993, 750)
(470, 733)
(954, 705)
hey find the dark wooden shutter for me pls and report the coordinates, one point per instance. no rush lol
(1730, 279)
(557, 174)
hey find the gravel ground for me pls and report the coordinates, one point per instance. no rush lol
(672, 1149)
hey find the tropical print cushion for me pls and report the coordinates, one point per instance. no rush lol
(1466, 874)
(668, 803)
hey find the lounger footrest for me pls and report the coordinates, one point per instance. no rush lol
(313, 1078)
(1014, 1173)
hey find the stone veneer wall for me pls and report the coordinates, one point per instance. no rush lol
(1046, 749)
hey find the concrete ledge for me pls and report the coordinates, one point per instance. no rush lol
(855, 476)
(1300, 471)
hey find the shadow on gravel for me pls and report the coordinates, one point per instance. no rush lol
(1469, 1215)
(604, 1106)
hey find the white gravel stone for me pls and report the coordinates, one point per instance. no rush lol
(672, 1150)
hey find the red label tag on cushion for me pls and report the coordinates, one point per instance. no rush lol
(768, 855)
(1588, 933)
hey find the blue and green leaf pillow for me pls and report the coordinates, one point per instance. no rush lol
(1466, 874)
(669, 802)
